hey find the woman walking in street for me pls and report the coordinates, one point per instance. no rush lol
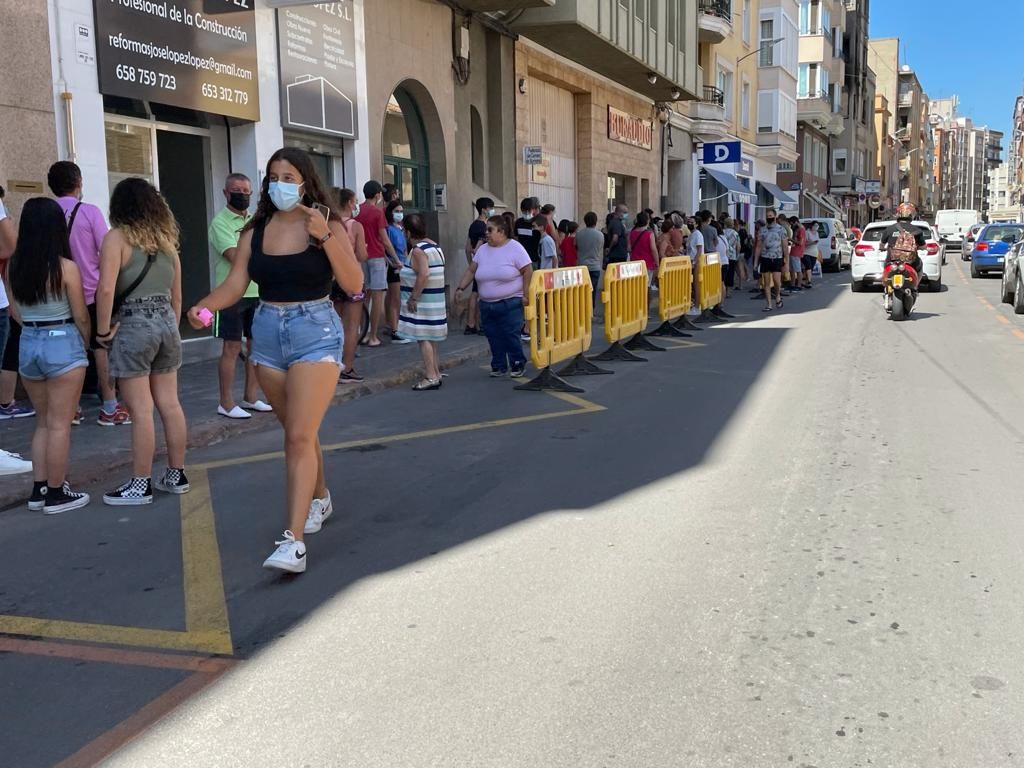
(292, 248)
(424, 316)
(502, 269)
(47, 295)
(138, 308)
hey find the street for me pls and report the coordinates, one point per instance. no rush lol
(789, 540)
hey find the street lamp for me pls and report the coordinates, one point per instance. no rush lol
(765, 44)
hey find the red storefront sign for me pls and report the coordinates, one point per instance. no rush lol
(631, 130)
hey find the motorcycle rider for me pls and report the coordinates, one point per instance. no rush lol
(891, 241)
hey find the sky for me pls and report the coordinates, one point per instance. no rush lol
(971, 49)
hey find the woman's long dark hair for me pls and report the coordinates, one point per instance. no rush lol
(313, 190)
(36, 272)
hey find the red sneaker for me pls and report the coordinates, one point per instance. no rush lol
(119, 417)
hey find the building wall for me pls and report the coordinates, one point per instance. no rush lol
(596, 154)
(28, 138)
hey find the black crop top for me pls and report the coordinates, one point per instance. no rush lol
(304, 276)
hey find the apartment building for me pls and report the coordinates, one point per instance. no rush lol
(595, 82)
(967, 159)
(886, 160)
(1016, 158)
(1000, 207)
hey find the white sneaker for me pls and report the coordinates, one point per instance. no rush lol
(290, 555)
(234, 413)
(258, 406)
(319, 511)
(13, 464)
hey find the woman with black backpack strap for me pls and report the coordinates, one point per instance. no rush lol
(138, 308)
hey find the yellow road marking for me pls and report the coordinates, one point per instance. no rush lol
(1019, 333)
(206, 612)
(1002, 320)
(582, 407)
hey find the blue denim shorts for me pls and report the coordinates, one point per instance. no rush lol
(51, 351)
(286, 334)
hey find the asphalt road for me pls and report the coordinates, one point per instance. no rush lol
(798, 543)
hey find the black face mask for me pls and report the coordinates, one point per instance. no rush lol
(239, 201)
(770, 221)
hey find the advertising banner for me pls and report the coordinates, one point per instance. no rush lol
(317, 51)
(196, 54)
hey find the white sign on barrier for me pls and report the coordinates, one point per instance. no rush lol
(569, 277)
(631, 269)
(713, 258)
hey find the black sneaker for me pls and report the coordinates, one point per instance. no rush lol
(63, 499)
(134, 493)
(38, 497)
(351, 377)
(518, 371)
(173, 481)
(470, 331)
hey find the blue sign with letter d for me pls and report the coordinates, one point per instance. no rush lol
(722, 152)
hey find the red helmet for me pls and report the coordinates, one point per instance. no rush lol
(906, 211)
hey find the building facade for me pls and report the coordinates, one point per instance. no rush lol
(1016, 158)
(967, 159)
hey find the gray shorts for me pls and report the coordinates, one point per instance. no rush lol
(375, 274)
(50, 351)
(148, 341)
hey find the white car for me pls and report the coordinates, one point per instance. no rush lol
(869, 261)
(833, 242)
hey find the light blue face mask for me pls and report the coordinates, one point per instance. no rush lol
(285, 195)
(398, 217)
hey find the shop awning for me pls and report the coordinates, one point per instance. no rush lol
(824, 203)
(730, 182)
(780, 197)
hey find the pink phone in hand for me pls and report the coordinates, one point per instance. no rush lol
(205, 316)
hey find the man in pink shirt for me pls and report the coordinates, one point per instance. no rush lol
(86, 230)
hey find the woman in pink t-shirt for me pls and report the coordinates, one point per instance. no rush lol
(642, 246)
(502, 270)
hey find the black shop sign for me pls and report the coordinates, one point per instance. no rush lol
(196, 54)
(317, 51)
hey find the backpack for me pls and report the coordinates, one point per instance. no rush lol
(905, 246)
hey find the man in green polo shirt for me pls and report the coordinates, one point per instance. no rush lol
(231, 325)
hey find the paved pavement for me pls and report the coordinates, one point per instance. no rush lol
(791, 540)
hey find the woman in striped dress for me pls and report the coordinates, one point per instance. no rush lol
(424, 315)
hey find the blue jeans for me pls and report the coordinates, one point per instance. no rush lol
(304, 332)
(502, 322)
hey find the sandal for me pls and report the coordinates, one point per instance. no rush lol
(766, 309)
(427, 384)
(778, 303)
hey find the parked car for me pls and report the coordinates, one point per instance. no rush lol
(991, 246)
(1013, 281)
(942, 245)
(969, 238)
(834, 244)
(869, 261)
(953, 224)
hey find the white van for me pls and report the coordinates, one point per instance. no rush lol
(953, 225)
(834, 243)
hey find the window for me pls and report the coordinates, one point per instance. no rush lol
(747, 19)
(776, 113)
(725, 86)
(767, 58)
(803, 81)
(839, 161)
(476, 130)
(745, 105)
(671, 22)
(640, 10)
(808, 155)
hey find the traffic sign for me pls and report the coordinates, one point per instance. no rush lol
(873, 186)
(722, 152)
(875, 201)
(533, 155)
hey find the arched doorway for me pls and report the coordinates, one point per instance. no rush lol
(406, 150)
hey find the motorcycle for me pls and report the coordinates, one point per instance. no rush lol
(900, 294)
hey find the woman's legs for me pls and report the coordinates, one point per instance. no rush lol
(428, 350)
(351, 315)
(62, 395)
(139, 399)
(394, 304)
(37, 395)
(493, 331)
(164, 390)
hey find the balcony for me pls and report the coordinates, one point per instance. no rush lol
(708, 115)
(489, 6)
(776, 146)
(815, 109)
(714, 20)
(609, 39)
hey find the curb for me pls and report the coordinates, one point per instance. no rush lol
(209, 432)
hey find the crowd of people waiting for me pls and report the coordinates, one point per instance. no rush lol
(292, 278)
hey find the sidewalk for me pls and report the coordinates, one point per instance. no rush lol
(99, 452)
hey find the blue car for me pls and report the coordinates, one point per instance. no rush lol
(990, 249)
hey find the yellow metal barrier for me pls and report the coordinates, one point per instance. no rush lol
(560, 317)
(675, 295)
(626, 306)
(710, 285)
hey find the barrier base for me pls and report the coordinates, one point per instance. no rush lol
(667, 329)
(641, 342)
(548, 379)
(718, 312)
(618, 352)
(707, 316)
(580, 366)
(687, 323)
